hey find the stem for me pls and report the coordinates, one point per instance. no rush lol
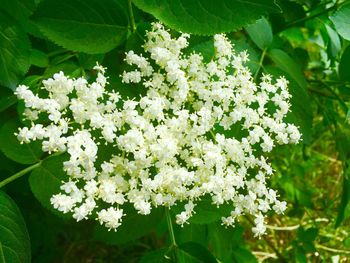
(131, 16)
(283, 228)
(260, 63)
(335, 6)
(270, 244)
(332, 249)
(19, 174)
(170, 227)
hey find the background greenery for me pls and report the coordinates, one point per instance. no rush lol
(305, 40)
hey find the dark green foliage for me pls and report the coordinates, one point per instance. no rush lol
(46, 180)
(94, 26)
(13, 149)
(14, 238)
(207, 17)
(15, 51)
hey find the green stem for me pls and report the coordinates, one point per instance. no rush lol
(170, 227)
(260, 63)
(131, 16)
(304, 19)
(19, 174)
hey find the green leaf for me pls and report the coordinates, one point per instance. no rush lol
(207, 17)
(14, 54)
(191, 232)
(344, 65)
(287, 64)
(90, 26)
(301, 111)
(87, 61)
(242, 254)
(242, 44)
(157, 256)
(13, 149)
(345, 198)
(14, 238)
(228, 244)
(39, 58)
(18, 9)
(133, 227)
(307, 235)
(194, 252)
(334, 44)
(204, 47)
(45, 181)
(7, 99)
(205, 211)
(341, 21)
(261, 33)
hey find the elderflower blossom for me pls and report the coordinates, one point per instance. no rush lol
(175, 144)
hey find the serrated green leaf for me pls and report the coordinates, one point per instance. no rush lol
(133, 227)
(14, 55)
(45, 181)
(91, 26)
(341, 21)
(11, 147)
(261, 33)
(14, 238)
(207, 17)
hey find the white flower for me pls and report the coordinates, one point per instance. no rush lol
(167, 146)
(111, 217)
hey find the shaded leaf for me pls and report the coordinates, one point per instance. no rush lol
(14, 238)
(133, 227)
(13, 149)
(7, 99)
(344, 65)
(157, 256)
(14, 55)
(45, 181)
(38, 58)
(345, 198)
(287, 64)
(191, 232)
(301, 111)
(205, 211)
(194, 252)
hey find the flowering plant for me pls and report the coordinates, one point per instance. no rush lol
(170, 145)
(174, 131)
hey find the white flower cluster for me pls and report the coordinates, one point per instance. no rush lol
(175, 144)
